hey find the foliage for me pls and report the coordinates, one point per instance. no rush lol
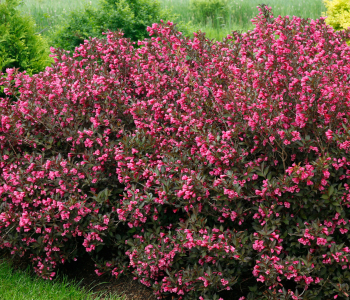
(216, 10)
(48, 13)
(190, 163)
(131, 16)
(79, 26)
(20, 47)
(240, 14)
(338, 13)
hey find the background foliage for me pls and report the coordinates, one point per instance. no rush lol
(49, 13)
(338, 13)
(215, 11)
(20, 46)
(238, 13)
(132, 16)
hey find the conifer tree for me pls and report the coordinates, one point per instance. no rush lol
(20, 46)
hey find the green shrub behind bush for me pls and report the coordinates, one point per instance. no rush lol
(215, 11)
(20, 47)
(132, 16)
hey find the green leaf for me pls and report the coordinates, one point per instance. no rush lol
(338, 209)
(253, 288)
(330, 191)
(266, 171)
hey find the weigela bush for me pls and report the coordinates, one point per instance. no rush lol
(196, 166)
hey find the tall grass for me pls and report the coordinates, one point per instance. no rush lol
(48, 13)
(241, 12)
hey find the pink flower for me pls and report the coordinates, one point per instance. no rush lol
(281, 133)
(88, 143)
(224, 282)
(323, 181)
(326, 174)
(105, 220)
(296, 136)
(258, 245)
(329, 134)
(321, 241)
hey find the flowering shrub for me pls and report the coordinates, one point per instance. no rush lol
(194, 165)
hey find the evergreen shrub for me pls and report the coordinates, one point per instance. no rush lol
(130, 16)
(20, 46)
(197, 166)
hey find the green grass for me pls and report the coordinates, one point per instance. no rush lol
(241, 12)
(21, 285)
(48, 13)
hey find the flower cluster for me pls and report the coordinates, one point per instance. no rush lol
(190, 163)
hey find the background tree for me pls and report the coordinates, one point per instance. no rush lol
(20, 46)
